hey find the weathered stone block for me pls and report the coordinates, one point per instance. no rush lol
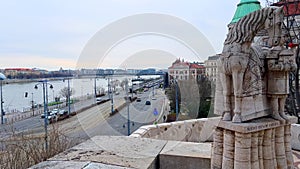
(61, 165)
(185, 155)
(115, 150)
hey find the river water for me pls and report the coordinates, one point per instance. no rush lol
(15, 100)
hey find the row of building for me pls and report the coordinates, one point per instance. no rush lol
(180, 69)
(29, 73)
(183, 70)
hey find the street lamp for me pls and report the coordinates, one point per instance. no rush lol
(32, 104)
(45, 83)
(69, 98)
(127, 103)
(53, 95)
(95, 87)
(2, 77)
(131, 88)
(110, 94)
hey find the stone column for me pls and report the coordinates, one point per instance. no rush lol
(216, 162)
(242, 150)
(254, 151)
(267, 150)
(260, 149)
(280, 148)
(274, 148)
(287, 145)
(228, 150)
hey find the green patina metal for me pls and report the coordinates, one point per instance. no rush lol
(244, 8)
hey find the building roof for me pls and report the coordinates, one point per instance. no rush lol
(244, 8)
(196, 66)
(178, 62)
(215, 57)
(291, 7)
(18, 69)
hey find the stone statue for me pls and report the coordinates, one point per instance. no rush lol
(252, 84)
(279, 64)
(238, 67)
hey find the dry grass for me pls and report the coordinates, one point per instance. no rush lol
(22, 151)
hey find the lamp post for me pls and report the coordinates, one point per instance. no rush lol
(110, 95)
(127, 103)
(131, 88)
(69, 93)
(45, 83)
(95, 87)
(2, 77)
(32, 104)
(53, 95)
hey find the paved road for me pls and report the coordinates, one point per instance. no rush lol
(95, 121)
(35, 124)
(140, 114)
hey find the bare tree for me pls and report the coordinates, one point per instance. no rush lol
(114, 84)
(123, 83)
(100, 90)
(64, 92)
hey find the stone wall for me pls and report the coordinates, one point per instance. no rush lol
(195, 130)
(120, 152)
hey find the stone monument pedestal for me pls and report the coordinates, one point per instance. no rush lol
(259, 144)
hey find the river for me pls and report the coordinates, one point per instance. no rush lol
(14, 94)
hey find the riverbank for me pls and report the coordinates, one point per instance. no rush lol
(13, 81)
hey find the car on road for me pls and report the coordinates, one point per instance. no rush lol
(153, 98)
(43, 114)
(147, 102)
(138, 99)
(62, 114)
(52, 117)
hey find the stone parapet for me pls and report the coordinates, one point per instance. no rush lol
(187, 155)
(116, 152)
(195, 130)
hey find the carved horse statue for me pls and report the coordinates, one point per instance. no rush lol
(234, 59)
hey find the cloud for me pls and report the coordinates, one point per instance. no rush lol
(59, 29)
(151, 58)
(31, 61)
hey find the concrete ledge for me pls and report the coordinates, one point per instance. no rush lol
(74, 165)
(117, 152)
(194, 130)
(185, 155)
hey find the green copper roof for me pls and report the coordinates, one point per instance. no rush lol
(244, 8)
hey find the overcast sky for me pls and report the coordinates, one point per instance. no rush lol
(53, 33)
